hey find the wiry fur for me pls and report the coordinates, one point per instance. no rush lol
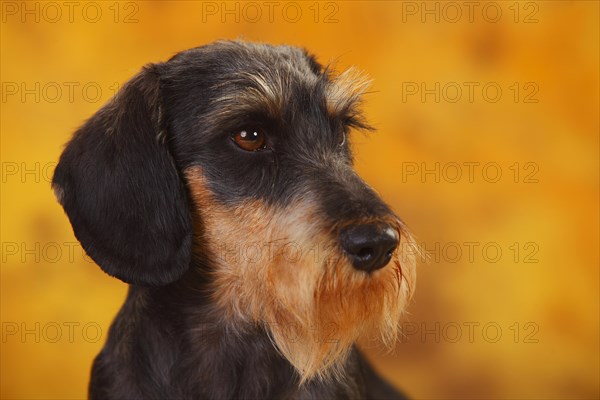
(240, 287)
(344, 94)
(293, 279)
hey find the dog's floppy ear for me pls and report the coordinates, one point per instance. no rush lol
(120, 187)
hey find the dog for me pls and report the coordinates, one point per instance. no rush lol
(220, 186)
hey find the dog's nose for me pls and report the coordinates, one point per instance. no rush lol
(369, 246)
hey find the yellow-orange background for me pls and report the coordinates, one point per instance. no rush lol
(554, 300)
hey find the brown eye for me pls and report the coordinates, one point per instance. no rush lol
(250, 140)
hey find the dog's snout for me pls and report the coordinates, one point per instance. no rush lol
(369, 246)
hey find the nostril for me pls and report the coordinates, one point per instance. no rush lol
(392, 247)
(369, 246)
(365, 252)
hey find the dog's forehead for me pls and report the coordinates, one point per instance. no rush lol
(252, 76)
(297, 63)
(228, 59)
(271, 75)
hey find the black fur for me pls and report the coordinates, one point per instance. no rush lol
(122, 192)
(120, 182)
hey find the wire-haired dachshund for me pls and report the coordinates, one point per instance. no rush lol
(220, 186)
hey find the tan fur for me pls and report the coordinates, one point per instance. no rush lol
(299, 286)
(259, 93)
(270, 93)
(345, 90)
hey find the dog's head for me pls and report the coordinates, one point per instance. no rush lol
(238, 155)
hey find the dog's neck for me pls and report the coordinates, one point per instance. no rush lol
(187, 345)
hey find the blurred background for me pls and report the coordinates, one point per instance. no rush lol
(487, 146)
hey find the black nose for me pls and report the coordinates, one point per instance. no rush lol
(369, 246)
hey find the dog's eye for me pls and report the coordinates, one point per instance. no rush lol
(250, 139)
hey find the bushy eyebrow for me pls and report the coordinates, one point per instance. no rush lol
(269, 91)
(343, 96)
(247, 93)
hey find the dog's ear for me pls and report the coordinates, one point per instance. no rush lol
(120, 187)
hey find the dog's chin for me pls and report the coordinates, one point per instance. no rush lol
(315, 335)
(314, 313)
